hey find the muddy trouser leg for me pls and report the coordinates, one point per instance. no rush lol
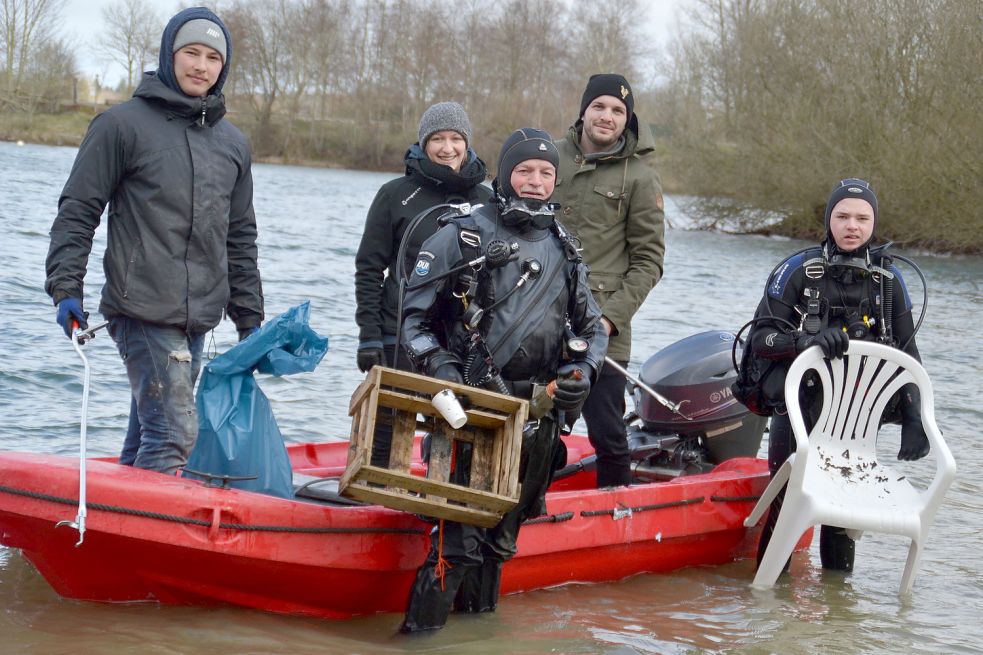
(479, 591)
(162, 363)
(604, 414)
(432, 596)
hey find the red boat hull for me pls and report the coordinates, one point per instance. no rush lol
(151, 537)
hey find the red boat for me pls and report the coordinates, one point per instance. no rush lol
(151, 537)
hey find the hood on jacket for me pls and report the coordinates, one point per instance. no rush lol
(176, 103)
(851, 187)
(165, 64)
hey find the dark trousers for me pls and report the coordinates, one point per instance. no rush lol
(476, 555)
(604, 413)
(162, 364)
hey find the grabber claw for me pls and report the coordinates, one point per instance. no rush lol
(79, 337)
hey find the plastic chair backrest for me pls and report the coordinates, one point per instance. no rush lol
(856, 390)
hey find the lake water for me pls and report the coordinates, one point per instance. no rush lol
(310, 222)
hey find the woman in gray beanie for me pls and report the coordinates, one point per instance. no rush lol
(441, 168)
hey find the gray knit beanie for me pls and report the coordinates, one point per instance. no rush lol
(444, 116)
(203, 31)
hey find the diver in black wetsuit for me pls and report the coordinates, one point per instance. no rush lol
(504, 324)
(844, 289)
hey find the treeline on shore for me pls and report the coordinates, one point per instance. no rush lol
(758, 106)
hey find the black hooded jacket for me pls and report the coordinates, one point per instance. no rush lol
(182, 232)
(396, 204)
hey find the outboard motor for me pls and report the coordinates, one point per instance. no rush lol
(710, 426)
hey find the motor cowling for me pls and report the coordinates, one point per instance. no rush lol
(697, 373)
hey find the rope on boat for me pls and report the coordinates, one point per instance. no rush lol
(204, 523)
(734, 499)
(550, 518)
(621, 511)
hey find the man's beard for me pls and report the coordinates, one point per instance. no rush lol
(601, 143)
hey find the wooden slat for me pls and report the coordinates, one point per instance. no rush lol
(512, 450)
(483, 467)
(416, 505)
(401, 453)
(448, 490)
(352, 472)
(498, 447)
(361, 392)
(418, 405)
(439, 467)
(487, 399)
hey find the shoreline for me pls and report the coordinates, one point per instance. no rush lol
(61, 139)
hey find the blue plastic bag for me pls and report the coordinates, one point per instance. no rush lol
(237, 432)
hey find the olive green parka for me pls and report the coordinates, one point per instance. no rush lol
(614, 206)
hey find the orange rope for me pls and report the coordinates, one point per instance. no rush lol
(442, 565)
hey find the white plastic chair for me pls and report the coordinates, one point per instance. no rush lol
(833, 476)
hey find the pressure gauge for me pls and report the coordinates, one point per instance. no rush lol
(577, 345)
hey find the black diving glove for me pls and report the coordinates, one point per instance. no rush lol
(572, 387)
(366, 358)
(833, 342)
(914, 441)
(448, 371)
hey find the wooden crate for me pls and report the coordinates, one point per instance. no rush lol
(494, 430)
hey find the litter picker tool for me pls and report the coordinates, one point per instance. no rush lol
(79, 337)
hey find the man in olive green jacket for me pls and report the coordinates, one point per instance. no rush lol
(611, 199)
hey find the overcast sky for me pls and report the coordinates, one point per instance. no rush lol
(83, 23)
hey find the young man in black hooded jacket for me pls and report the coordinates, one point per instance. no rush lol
(182, 233)
(533, 296)
(827, 296)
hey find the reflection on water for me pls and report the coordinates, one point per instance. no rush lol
(310, 223)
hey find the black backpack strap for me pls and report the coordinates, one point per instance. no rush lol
(571, 245)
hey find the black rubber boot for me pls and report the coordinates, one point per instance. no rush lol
(613, 474)
(479, 589)
(836, 548)
(429, 603)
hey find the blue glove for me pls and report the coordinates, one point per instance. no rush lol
(572, 387)
(245, 333)
(71, 316)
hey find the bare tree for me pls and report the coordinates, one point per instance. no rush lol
(774, 100)
(130, 37)
(27, 26)
(53, 74)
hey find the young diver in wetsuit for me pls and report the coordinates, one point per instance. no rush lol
(844, 289)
